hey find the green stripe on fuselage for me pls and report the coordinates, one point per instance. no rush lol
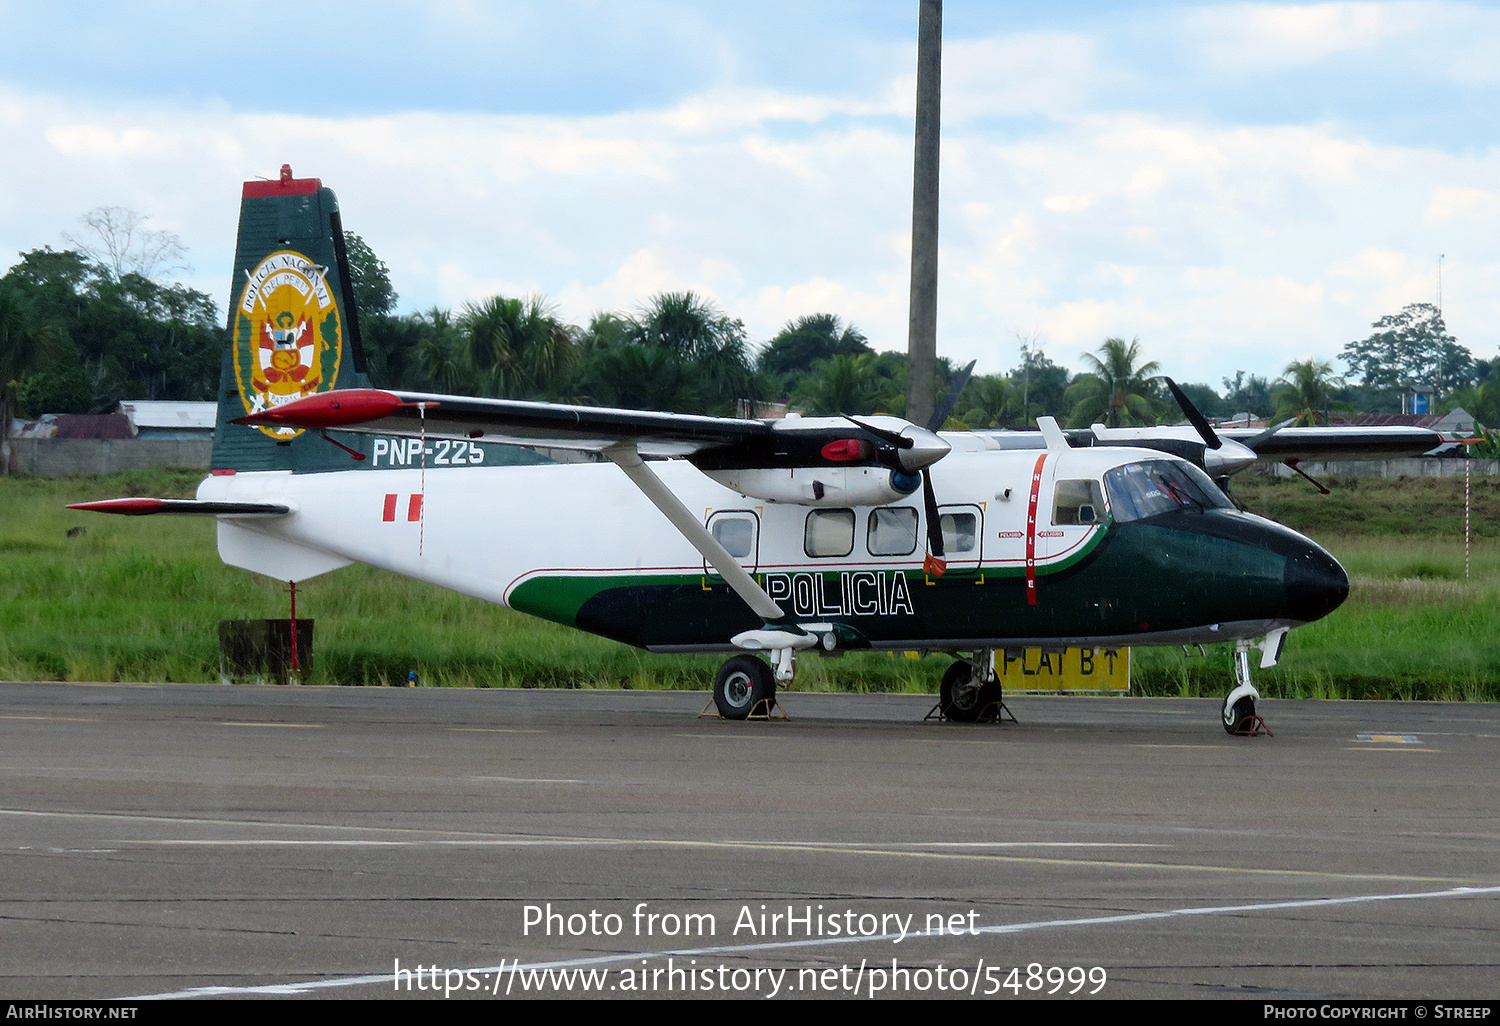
(1169, 573)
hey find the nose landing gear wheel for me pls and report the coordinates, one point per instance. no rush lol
(740, 684)
(1235, 715)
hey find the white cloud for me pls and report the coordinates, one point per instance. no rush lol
(1264, 36)
(1224, 246)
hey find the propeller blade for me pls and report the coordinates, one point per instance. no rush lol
(1200, 423)
(899, 441)
(934, 524)
(940, 415)
(1267, 433)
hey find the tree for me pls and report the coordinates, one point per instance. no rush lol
(118, 240)
(1483, 400)
(517, 348)
(23, 346)
(1247, 394)
(844, 385)
(1305, 392)
(709, 342)
(1043, 384)
(369, 278)
(993, 401)
(805, 341)
(637, 377)
(1411, 349)
(1116, 390)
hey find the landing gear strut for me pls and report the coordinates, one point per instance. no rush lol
(1239, 706)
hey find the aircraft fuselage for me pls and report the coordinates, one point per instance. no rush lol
(1041, 551)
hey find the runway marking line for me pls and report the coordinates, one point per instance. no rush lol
(831, 848)
(495, 730)
(69, 719)
(1174, 746)
(1393, 751)
(269, 723)
(737, 737)
(458, 838)
(1000, 929)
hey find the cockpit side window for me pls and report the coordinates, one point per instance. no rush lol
(1078, 502)
(1151, 487)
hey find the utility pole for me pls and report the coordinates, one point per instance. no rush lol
(921, 345)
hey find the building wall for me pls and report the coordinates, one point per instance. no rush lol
(76, 457)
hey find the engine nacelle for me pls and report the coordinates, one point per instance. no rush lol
(821, 486)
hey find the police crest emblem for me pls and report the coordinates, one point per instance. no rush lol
(287, 335)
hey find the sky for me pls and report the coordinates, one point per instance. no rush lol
(1238, 185)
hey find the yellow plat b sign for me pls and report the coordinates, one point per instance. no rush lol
(1073, 669)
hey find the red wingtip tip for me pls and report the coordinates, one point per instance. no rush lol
(340, 408)
(126, 507)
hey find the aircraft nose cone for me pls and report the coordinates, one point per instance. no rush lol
(1315, 583)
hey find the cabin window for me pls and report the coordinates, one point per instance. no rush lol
(738, 531)
(736, 534)
(1078, 502)
(893, 531)
(960, 533)
(830, 532)
(1151, 487)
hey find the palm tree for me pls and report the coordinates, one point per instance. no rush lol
(635, 377)
(844, 385)
(517, 347)
(993, 401)
(806, 340)
(1116, 390)
(707, 341)
(1304, 393)
(440, 358)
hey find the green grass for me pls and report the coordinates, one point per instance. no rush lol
(139, 599)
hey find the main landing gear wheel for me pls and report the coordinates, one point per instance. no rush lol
(742, 683)
(960, 698)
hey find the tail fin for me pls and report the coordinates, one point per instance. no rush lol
(293, 326)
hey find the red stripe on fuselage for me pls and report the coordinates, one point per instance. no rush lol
(1036, 488)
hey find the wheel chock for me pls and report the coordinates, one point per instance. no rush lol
(995, 712)
(765, 709)
(768, 709)
(1252, 726)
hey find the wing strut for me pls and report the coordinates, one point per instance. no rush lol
(625, 456)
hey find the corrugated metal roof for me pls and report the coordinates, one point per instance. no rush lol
(148, 413)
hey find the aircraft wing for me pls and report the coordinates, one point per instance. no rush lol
(1244, 446)
(555, 425)
(1335, 443)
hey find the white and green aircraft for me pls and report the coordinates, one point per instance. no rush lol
(762, 540)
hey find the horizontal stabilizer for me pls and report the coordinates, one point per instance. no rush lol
(138, 507)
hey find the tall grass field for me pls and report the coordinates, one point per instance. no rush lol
(100, 598)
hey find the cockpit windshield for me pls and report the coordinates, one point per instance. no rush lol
(1139, 490)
